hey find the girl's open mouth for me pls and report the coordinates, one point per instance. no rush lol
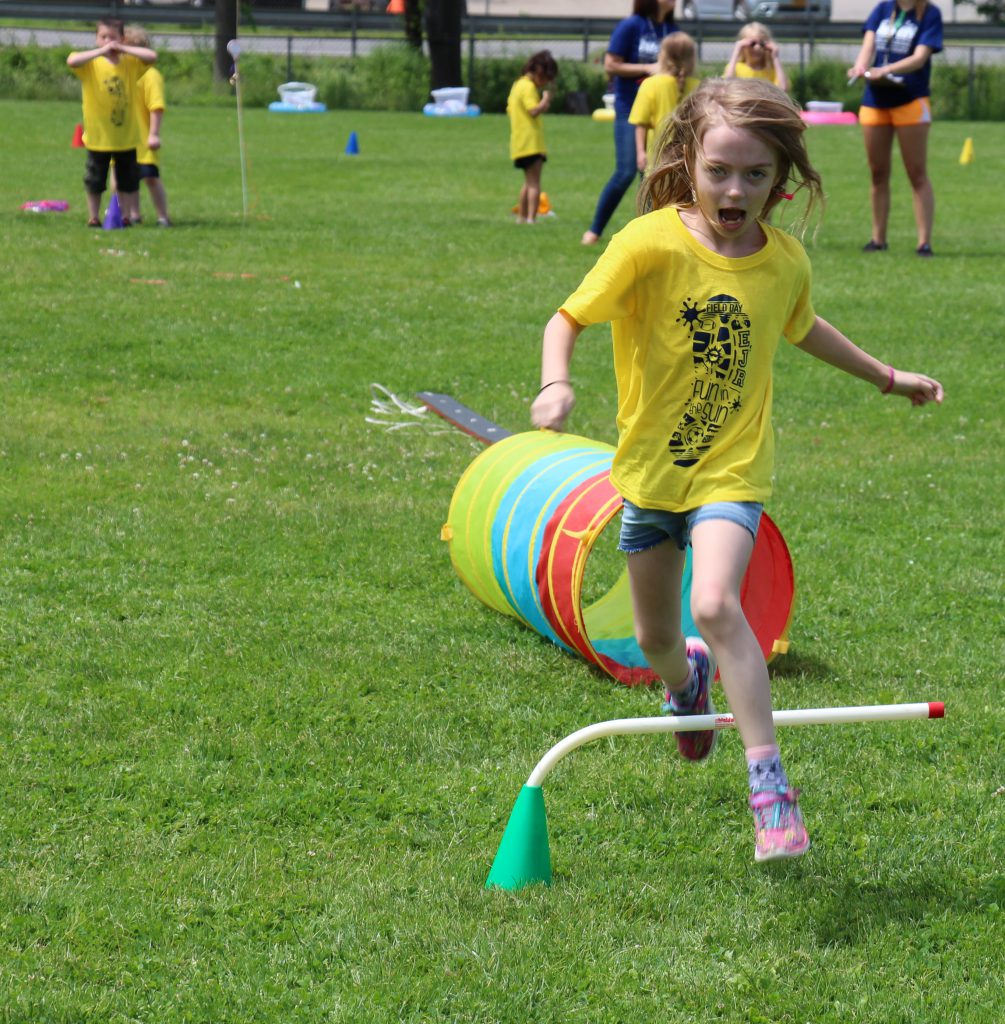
(731, 217)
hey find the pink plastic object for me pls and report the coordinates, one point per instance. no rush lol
(46, 206)
(829, 117)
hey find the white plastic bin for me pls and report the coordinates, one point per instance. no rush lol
(824, 106)
(451, 99)
(298, 94)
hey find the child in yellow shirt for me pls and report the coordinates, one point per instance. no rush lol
(528, 100)
(149, 107)
(699, 292)
(659, 95)
(108, 75)
(755, 55)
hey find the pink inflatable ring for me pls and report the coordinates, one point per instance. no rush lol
(829, 117)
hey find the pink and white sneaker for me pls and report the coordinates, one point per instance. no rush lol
(779, 824)
(695, 746)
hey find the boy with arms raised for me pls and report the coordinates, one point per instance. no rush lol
(108, 76)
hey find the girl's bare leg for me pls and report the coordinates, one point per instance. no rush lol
(531, 192)
(720, 554)
(158, 197)
(879, 151)
(913, 141)
(654, 577)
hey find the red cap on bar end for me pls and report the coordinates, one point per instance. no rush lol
(936, 709)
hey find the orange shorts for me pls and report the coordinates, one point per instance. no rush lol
(918, 111)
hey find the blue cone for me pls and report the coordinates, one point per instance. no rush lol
(113, 218)
(352, 146)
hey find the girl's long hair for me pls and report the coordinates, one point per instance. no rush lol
(756, 30)
(678, 55)
(749, 104)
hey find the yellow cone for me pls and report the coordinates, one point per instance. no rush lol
(967, 156)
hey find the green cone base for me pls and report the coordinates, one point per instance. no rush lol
(523, 857)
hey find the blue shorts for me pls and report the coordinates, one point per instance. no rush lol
(644, 528)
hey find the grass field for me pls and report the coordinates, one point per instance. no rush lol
(261, 743)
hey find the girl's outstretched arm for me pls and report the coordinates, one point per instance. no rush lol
(830, 345)
(556, 398)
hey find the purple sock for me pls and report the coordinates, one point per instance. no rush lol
(764, 769)
(685, 698)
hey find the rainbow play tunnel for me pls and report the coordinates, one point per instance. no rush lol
(522, 523)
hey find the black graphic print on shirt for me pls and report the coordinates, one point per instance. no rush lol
(720, 347)
(116, 87)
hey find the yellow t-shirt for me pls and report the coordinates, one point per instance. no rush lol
(744, 70)
(695, 335)
(526, 134)
(107, 89)
(655, 101)
(148, 96)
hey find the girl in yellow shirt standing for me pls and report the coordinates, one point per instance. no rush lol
(528, 100)
(149, 109)
(659, 95)
(699, 290)
(755, 55)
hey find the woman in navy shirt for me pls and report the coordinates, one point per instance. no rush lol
(900, 37)
(631, 56)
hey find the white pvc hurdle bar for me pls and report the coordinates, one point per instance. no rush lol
(696, 723)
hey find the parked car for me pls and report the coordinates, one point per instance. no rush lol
(753, 10)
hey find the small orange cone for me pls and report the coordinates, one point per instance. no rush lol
(396, 7)
(78, 137)
(543, 206)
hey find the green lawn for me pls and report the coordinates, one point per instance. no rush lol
(260, 741)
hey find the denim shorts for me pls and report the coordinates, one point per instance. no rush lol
(644, 528)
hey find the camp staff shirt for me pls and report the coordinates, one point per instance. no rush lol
(897, 38)
(526, 137)
(636, 40)
(694, 337)
(107, 89)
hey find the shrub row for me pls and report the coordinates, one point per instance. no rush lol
(396, 77)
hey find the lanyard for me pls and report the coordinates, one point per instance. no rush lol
(901, 18)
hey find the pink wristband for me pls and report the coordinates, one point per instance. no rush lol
(889, 383)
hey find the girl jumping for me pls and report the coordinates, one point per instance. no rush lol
(698, 291)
